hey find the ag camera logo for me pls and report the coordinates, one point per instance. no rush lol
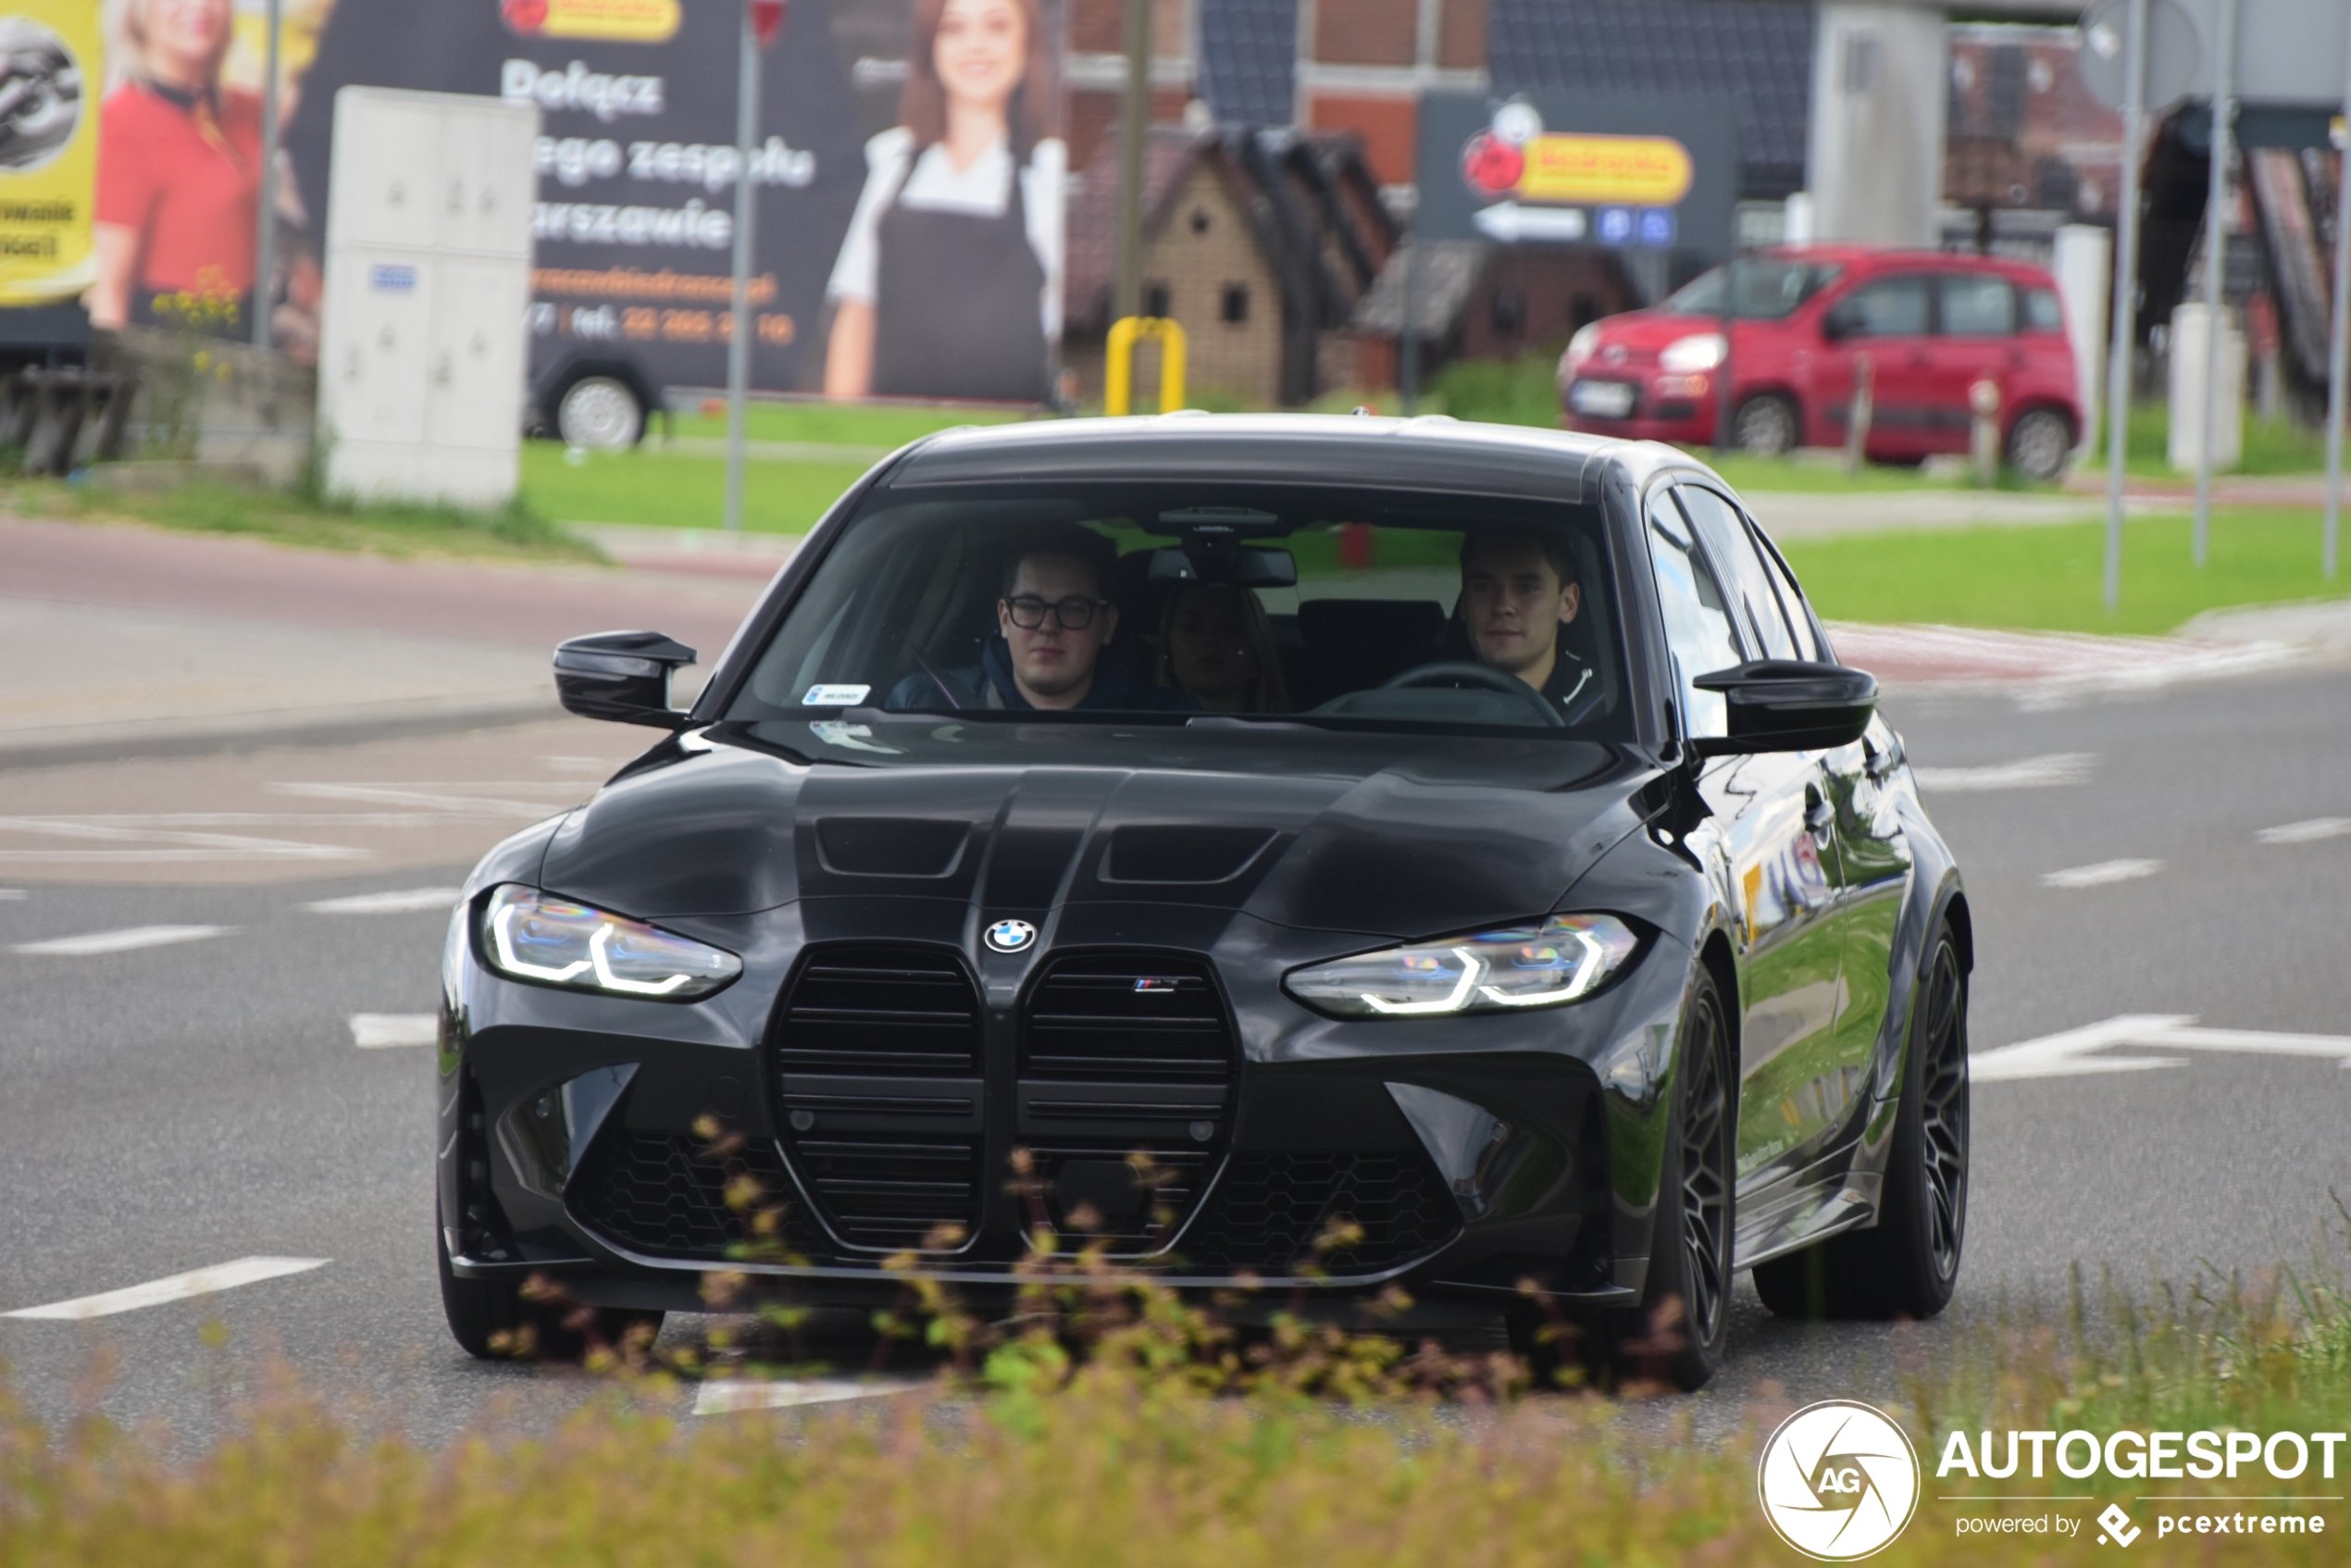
(1838, 1480)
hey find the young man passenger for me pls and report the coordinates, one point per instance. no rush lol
(1054, 621)
(1517, 591)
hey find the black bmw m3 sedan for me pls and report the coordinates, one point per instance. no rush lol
(1464, 833)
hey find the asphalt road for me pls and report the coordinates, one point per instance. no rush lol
(180, 1106)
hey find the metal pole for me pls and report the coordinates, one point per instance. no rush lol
(2126, 294)
(1407, 342)
(2339, 343)
(264, 223)
(2216, 239)
(1723, 413)
(739, 337)
(1133, 129)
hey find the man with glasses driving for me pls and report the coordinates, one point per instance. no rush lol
(1053, 623)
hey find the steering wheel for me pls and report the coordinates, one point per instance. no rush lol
(1452, 672)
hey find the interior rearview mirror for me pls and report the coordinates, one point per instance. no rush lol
(1242, 567)
(1788, 705)
(621, 676)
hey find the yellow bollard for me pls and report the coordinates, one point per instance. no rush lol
(1118, 363)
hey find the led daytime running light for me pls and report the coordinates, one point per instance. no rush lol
(552, 941)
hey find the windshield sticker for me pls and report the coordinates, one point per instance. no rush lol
(834, 696)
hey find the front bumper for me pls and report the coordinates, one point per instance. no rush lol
(1468, 1155)
(1653, 406)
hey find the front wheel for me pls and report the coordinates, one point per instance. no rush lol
(1678, 1333)
(1765, 426)
(601, 412)
(1907, 1264)
(2039, 442)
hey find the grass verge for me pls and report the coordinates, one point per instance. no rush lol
(653, 489)
(2050, 577)
(518, 533)
(1127, 1456)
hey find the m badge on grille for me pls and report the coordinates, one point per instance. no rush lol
(1011, 936)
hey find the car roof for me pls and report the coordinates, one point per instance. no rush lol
(1430, 453)
(1875, 257)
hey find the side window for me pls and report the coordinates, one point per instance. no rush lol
(1724, 531)
(1891, 308)
(1799, 615)
(2042, 311)
(1698, 617)
(1977, 306)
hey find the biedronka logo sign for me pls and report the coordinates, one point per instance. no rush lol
(51, 71)
(1838, 1480)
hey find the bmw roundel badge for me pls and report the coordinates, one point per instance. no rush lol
(1011, 936)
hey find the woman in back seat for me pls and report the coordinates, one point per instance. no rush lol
(1216, 645)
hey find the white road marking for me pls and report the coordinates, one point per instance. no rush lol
(96, 942)
(741, 1394)
(2067, 1054)
(432, 797)
(11, 895)
(2032, 772)
(2306, 832)
(152, 838)
(2099, 875)
(402, 901)
(579, 765)
(178, 1288)
(378, 1031)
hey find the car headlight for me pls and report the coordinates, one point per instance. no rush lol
(1700, 351)
(1583, 345)
(1562, 960)
(533, 936)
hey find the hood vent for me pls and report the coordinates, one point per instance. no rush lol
(1182, 855)
(883, 1094)
(890, 846)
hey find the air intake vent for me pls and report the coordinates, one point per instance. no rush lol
(1272, 1207)
(881, 1010)
(882, 1094)
(667, 1195)
(1127, 1017)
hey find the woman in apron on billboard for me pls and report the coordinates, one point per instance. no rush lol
(948, 281)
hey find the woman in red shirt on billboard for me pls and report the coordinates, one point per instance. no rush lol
(179, 172)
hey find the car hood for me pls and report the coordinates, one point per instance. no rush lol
(1385, 835)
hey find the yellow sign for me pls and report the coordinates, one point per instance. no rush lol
(616, 21)
(1651, 172)
(52, 68)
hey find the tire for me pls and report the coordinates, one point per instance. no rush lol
(1766, 426)
(489, 1319)
(1678, 1333)
(2039, 444)
(601, 412)
(1907, 1264)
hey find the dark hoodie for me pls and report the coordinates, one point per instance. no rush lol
(989, 684)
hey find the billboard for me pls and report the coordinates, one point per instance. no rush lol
(51, 54)
(922, 260)
(1656, 171)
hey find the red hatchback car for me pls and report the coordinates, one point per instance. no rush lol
(1929, 326)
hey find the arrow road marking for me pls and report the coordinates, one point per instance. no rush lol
(2068, 1052)
(178, 1288)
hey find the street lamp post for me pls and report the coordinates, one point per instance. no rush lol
(265, 238)
(762, 19)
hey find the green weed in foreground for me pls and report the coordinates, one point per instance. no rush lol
(518, 533)
(1127, 1457)
(2049, 577)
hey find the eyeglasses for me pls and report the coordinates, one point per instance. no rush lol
(1074, 614)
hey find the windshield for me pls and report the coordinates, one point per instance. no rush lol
(1180, 602)
(1768, 290)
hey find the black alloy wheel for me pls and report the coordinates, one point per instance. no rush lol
(1765, 426)
(1907, 1264)
(1677, 1334)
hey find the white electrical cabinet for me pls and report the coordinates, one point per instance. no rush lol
(423, 345)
